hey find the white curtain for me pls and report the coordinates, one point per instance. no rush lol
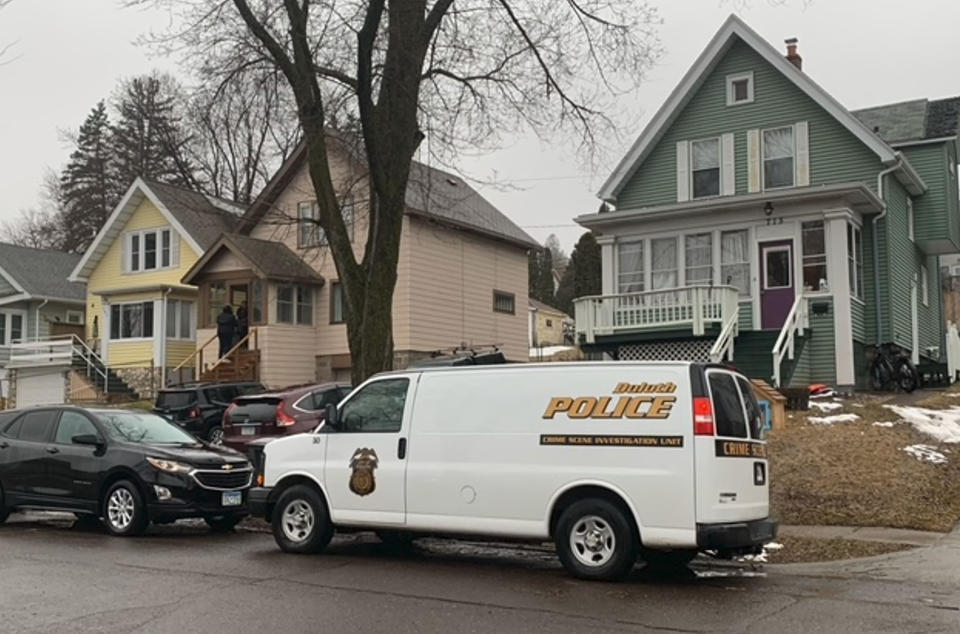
(698, 254)
(735, 260)
(664, 263)
(630, 267)
(706, 154)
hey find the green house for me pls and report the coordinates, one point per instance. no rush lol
(756, 220)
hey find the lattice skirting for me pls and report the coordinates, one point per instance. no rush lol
(683, 350)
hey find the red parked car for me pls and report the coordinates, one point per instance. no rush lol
(291, 411)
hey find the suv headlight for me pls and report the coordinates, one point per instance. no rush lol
(169, 466)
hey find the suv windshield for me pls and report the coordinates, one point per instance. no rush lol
(143, 428)
(175, 400)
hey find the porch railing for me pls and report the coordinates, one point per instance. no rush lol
(59, 350)
(798, 320)
(695, 307)
(723, 346)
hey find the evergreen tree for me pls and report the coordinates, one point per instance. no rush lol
(540, 275)
(582, 276)
(149, 138)
(88, 188)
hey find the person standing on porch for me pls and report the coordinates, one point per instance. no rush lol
(243, 321)
(226, 330)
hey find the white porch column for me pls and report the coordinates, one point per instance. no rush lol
(159, 332)
(104, 333)
(839, 277)
(608, 273)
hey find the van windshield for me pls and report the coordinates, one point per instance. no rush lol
(727, 408)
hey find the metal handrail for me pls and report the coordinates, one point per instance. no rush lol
(252, 333)
(797, 320)
(194, 354)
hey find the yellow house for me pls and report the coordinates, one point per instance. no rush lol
(141, 318)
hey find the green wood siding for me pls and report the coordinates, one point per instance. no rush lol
(746, 316)
(836, 156)
(857, 318)
(821, 348)
(935, 212)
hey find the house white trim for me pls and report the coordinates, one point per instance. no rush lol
(731, 79)
(733, 28)
(109, 231)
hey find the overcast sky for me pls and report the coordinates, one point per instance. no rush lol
(68, 54)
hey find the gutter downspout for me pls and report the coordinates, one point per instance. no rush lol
(36, 323)
(876, 248)
(163, 335)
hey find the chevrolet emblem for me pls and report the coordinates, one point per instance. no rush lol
(227, 467)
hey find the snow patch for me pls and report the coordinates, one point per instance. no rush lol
(884, 424)
(926, 453)
(826, 407)
(943, 425)
(761, 558)
(830, 420)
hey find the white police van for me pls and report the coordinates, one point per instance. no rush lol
(614, 461)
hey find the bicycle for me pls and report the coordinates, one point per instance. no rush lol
(892, 369)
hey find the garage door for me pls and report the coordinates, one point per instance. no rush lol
(40, 387)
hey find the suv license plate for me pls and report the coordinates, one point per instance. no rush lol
(232, 498)
(248, 431)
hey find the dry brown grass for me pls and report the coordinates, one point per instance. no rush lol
(802, 550)
(857, 474)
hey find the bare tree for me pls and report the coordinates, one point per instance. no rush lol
(39, 227)
(460, 75)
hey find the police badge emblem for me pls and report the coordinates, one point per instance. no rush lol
(363, 463)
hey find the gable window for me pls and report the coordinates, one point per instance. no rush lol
(504, 302)
(735, 261)
(855, 260)
(131, 321)
(630, 267)
(910, 218)
(705, 167)
(149, 250)
(924, 285)
(338, 313)
(778, 154)
(814, 247)
(295, 304)
(698, 256)
(663, 267)
(180, 319)
(740, 88)
(310, 233)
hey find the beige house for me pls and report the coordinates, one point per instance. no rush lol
(547, 325)
(462, 274)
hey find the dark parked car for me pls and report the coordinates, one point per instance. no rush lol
(128, 467)
(292, 411)
(199, 407)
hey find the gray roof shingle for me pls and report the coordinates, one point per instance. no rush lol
(275, 259)
(42, 272)
(913, 120)
(204, 217)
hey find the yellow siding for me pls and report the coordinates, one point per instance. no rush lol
(109, 275)
(178, 351)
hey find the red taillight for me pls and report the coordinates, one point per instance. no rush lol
(226, 414)
(284, 419)
(703, 417)
(195, 412)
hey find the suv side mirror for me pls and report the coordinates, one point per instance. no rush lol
(87, 439)
(330, 416)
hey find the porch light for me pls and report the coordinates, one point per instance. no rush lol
(768, 208)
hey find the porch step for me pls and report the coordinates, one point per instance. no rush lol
(242, 365)
(752, 354)
(113, 385)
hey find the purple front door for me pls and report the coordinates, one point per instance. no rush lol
(776, 283)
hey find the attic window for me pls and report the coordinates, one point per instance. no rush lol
(740, 88)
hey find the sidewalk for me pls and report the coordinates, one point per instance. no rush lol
(866, 534)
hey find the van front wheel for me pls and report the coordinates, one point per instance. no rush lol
(301, 523)
(595, 540)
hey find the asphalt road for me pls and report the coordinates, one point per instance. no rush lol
(55, 577)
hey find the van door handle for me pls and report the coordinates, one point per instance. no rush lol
(52, 450)
(402, 449)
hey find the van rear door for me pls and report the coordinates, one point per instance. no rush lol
(731, 462)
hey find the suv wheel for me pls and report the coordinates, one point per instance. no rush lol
(4, 511)
(301, 523)
(124, 513)
(595, 540)
(215, 435)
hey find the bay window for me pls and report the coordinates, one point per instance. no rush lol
(630, 267)
(180, 319)
(814, 248)
(698, 256)
(735, 260)
(131, 321)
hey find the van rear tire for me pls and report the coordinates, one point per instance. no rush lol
(301, 522)
(596, 541)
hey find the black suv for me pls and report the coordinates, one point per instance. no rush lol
(198, 407)
(128, 467)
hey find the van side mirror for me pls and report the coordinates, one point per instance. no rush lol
(330, 416)
(87, 439)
